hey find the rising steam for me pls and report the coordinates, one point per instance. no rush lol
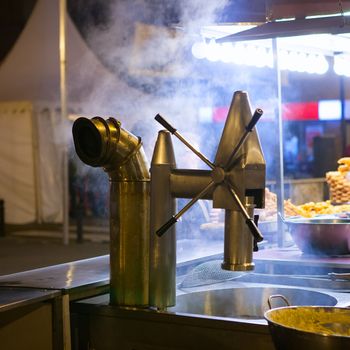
(150, 61)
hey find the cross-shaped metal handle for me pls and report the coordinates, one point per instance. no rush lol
(219, 178)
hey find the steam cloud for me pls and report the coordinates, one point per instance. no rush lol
(150, 64)
(149, 53)
(153, 71)
(149, 58)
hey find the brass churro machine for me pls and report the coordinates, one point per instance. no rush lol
(142, 205)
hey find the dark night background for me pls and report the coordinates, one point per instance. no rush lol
(96, 13)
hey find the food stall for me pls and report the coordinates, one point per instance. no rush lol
(215, 299)
(213, 286)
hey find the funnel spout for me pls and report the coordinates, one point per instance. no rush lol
(104, 143)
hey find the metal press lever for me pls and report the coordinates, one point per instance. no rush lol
(176, 217)
(249, 221)
(174, 131)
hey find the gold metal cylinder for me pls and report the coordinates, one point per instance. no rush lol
(186, 183)
(238, 247)
(129, 243)
(162, 284)
(103, 143)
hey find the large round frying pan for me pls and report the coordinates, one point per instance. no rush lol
(322, 235)
(309, 327)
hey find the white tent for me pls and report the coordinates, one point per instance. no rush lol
(32, 135)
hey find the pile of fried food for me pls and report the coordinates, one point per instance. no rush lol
(311, 209)
(307, 210)
(338, 182)
(339, 188)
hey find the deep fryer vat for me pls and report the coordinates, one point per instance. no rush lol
(246, 302)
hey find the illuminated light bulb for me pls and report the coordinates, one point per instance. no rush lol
(283, 59)
(338, 69)
(321, 64)
(246, 53)
(226, 52)
(255, 56)
(239, 54)
(258, 57)
(346, 63)
(289, 61)
(301, 62)
(199, 50)
(269, 58)
(293, 61)
(310, 63)
(212, 51)
(342, 65)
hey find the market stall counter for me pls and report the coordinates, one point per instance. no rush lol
(35, 304)
(27, 318)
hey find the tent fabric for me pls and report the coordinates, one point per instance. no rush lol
(50, 152)
(32, 135)
(27, 141)
(31, 70)
(17, 180)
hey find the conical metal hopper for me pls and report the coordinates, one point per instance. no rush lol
(248, 165)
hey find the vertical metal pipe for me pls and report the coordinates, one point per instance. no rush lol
(343, 124)
(238, 247)
(37, 173)
(63, 94)
(2, 218)
(162, 292)
(280, 170)
(129, 243)
(104, 143)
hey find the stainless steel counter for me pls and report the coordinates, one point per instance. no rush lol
(28, 319)
(88, 281)
(91, 274)
(208, 325)
(104, 327)
(79, 279)
(100, 325)
(45, 295)
(11, 298)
